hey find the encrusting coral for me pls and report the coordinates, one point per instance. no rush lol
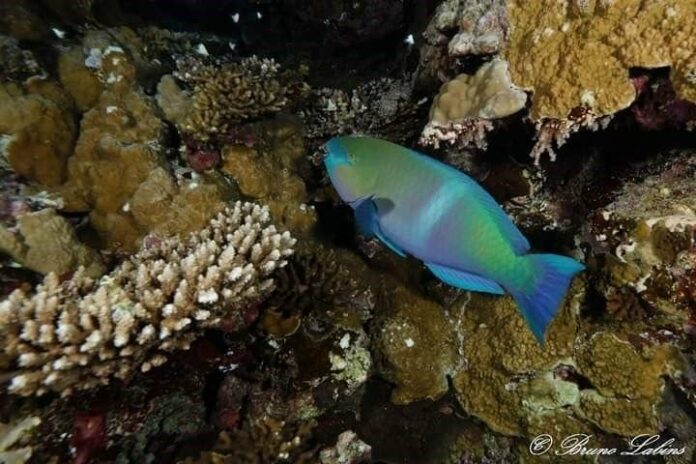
(519, 388)
(268, 171)
(418, 347)
(118, 172)
(578, 53)
(37, 128)
(44, 242)
(488, 94)
(462, 112)
(81, 333)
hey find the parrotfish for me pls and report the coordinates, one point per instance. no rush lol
(418, 206)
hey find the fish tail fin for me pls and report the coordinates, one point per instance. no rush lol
(541, 290)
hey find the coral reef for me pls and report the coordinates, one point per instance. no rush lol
(176, 415)
(644, 240)
(268, 171)
(80, 333)
(37, 128)
(462, 110)
(133, 133)
(16, 64)
(223, 96)
(518, 388)
(349, 450)
(118, 172)
(45, 242)
(488, 94)
(14, 448)
(572, 54)
(384, 107)
(459, 29)
(658, 107)
(319, 285)
(418, 347)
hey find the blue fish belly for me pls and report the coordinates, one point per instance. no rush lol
(448, 228)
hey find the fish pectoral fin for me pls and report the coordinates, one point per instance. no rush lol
(465, 280)
(366, 217)
(368, 224)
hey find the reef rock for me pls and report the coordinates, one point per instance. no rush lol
(643, 244)
(461, 28)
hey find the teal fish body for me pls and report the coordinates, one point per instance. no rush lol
(419, 206)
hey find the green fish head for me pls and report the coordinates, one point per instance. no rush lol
(351, 167)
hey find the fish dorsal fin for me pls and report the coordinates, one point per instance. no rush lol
(368, 224)
(518, 242)
(465, 280)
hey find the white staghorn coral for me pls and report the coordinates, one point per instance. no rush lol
(81, 333)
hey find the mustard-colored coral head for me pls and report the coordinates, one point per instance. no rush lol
(572, 53)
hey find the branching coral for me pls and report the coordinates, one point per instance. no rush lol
(80, 333)
(14, 448)
(554, 133)
(234, 92)
(318, 284)
(577, 53)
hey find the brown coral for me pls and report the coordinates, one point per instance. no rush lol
(226, 95)
(38, 128)
(269, 172)
(419, 347)
(46, 242)
(578, 53)
(319, 288)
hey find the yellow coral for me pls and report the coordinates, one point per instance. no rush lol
(269, 172)
(488, 94)
(419, 345)
(578, 53)
(117, 172)
(40, 129)
(46, 242)
(512, 383)
(82, 84)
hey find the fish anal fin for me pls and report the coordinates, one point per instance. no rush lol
(465, 280)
